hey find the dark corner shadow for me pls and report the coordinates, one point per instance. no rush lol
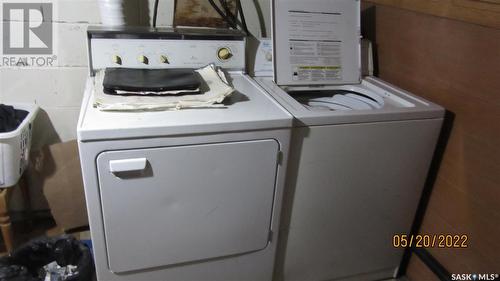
(442, 142)
(43, 132)
(297, 140)
(235, 97)
(41, 162)
(253, 39)
(369, 31)
(260, 15)
(136, 13)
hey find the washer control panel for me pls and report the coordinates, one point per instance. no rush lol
(166, 53)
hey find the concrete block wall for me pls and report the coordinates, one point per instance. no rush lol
(58, 90)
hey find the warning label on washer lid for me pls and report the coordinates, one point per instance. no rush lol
(315, 48)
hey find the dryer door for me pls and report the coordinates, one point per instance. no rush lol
(165, 206)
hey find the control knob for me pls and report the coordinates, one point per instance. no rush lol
(143, 59)
(117, 59)
(164, 59)
(224, 53)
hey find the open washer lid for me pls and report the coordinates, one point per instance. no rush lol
(316, 42)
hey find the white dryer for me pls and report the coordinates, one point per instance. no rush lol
(191, 194)
(361, 148)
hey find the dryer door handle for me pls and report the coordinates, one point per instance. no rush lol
(127, 165)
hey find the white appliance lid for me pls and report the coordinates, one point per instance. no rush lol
(250, 108)
(316, 42)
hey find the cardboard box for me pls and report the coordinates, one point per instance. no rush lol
(60, 176)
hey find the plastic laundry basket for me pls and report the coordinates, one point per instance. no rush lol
(15, 147)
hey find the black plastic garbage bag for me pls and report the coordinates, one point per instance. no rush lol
(29, 262)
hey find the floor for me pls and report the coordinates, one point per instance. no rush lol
(45, 225)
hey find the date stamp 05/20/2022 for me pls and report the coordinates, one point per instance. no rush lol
(457, 241)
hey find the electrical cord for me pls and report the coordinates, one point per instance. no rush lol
(242, 16)
(224, 5)
(229, 14)
(229, 17)
(155, 13)
(222, 14)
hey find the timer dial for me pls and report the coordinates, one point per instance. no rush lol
(224, 53)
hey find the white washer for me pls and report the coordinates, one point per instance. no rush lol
(192, 194)
(355, 176)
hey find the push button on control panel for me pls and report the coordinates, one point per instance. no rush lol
(224, 53)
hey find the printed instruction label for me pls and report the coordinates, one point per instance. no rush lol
(315, 48)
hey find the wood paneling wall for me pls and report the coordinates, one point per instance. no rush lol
(457, 65)
(419, 271)
(482, 12)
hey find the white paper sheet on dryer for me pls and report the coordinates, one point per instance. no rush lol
(215, 89)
